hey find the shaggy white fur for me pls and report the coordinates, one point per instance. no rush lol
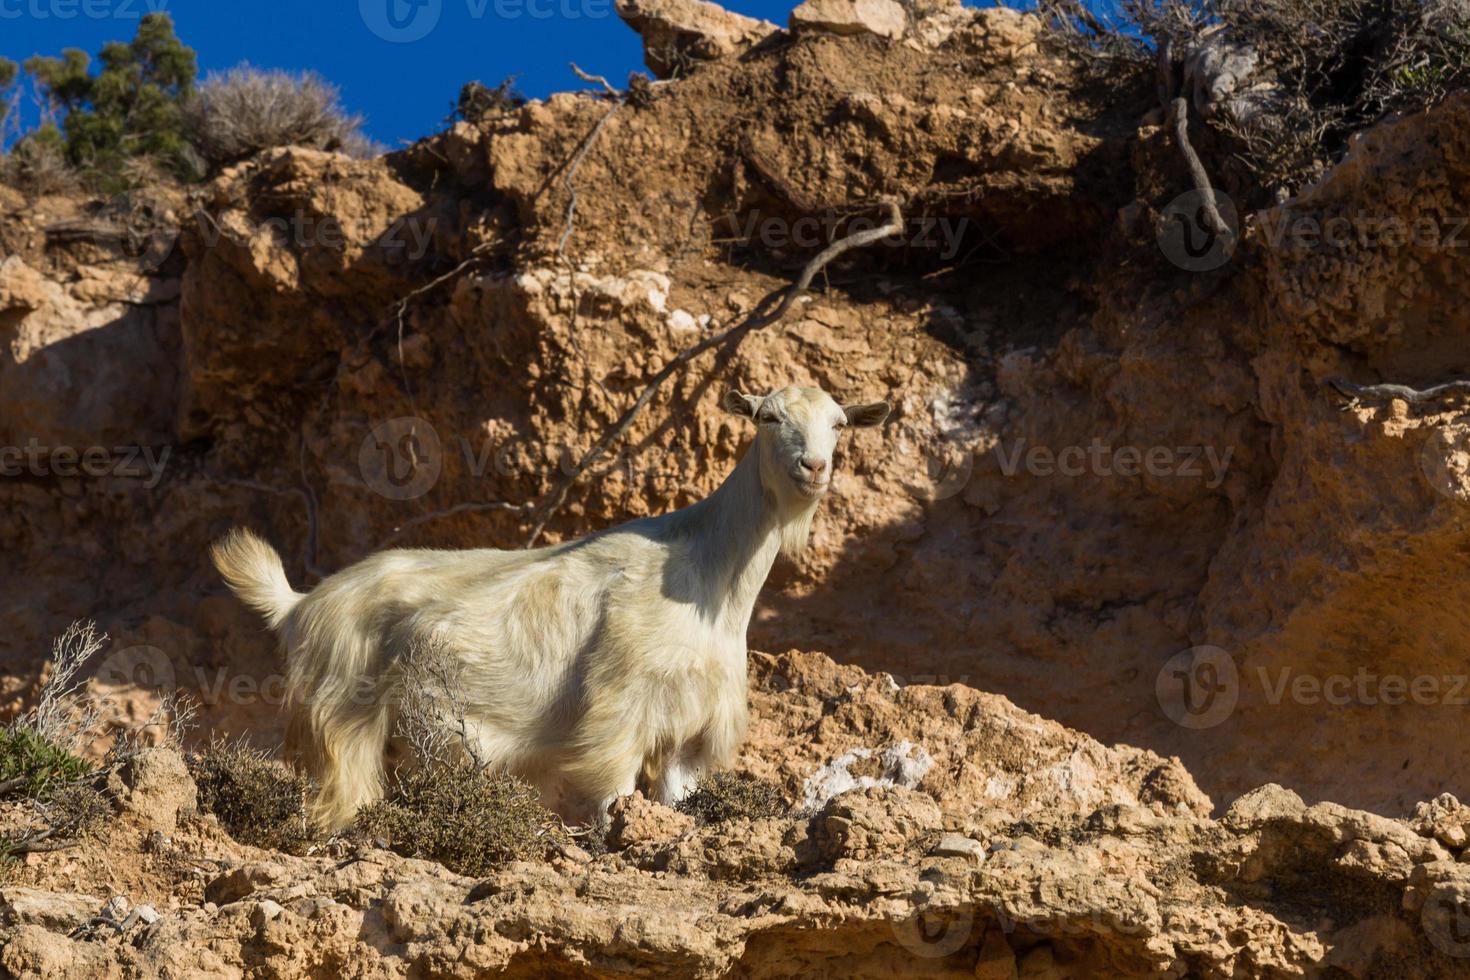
(583, 665)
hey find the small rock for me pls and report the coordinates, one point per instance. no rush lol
(117, 908)
(265, 910)
(154, 787)
(677, 31)
(56, 911)
(636, 820)
(572, 852)
(146, 914)
(958, 845)
(885, 18)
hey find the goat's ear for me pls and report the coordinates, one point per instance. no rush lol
(863, 416)
(739, 403)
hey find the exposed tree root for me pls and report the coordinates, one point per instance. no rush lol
(755, 320)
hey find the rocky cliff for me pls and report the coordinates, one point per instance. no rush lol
(1117, 490)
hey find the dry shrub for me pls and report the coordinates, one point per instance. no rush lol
(727, 795)
(237, 114)
(1323, 69)
(478, 100)
(465, 817)
(37, 168)
(260, 801)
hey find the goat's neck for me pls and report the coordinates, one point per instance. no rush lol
(737, 535)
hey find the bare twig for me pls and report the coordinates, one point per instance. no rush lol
(755, 320)
(606, 86)
(400, 309)
(432, 713)
(571, 173)
(308, 497)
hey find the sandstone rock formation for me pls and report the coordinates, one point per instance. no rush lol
(1027, 850)
(1116, 491)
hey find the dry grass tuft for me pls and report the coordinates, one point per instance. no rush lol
(727, 795)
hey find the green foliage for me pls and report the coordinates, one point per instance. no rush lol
(42, 768)
(257, 799)
(8, 71)
(465, 818)
(726, 795)
(132, 106)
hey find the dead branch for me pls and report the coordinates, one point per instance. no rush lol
(308, 496)
(598, 79)
(1387, 392)
(755, 320)
(1179, 112)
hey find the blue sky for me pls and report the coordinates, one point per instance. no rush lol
(399, 63)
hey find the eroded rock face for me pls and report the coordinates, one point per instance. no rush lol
(1098, 463)
(1071, 878)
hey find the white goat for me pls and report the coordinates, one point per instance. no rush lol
(581, 665)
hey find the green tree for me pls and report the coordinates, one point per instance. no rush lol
(8, 70)
(130, 108)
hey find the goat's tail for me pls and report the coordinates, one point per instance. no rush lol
(254, 572)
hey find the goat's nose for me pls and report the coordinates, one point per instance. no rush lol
(814, 465)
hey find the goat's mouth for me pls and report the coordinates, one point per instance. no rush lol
(811, 489)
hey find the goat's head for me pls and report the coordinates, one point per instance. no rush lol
(799, 428)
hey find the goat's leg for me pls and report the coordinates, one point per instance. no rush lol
(681, 771)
